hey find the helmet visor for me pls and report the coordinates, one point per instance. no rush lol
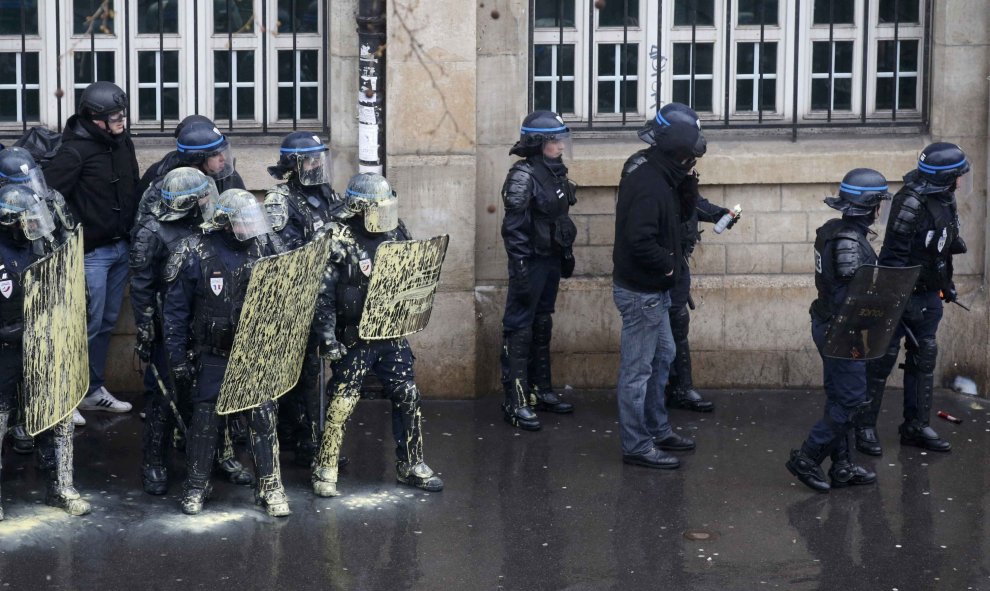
(219, 164)
(31, 177)
(964, 185)
(381, 215)
(314, 168)
(36, 221)
(249, 221)
(884, 214)
(558, 145)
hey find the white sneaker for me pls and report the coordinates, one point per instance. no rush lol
(100, 399)
(77, 418)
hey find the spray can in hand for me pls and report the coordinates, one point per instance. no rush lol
(728, 219)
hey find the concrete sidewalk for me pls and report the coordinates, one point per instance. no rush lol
(549, 510)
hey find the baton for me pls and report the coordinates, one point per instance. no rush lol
(168, 398)
(690, 302)
(910, 335)
(956, 302)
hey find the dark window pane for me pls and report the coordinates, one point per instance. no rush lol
(90, 16)
(834, 11)
(221, 103)
(694, 12)
(152, 14)
(32, 105)
(906, 11)
(819, 94)
(907, 93)
(821, 58)
(29, 68)
(606, 59)
(542, 60)
(286, 102)
(245, 66)
(768, 59)
(8, 66)
(565, 63)
(627, 102)
(630, 61)
(13, 12)
(170, 66)
(147, 104)
(843, 95)
(843, 56)
(301, 16)
(309, 106)
(170, 103)
(221, 66)
(541, 96)
(147, 66)
(909, 56)
(565, 97)
(309, 66)
(886, 56)
(702, 95)
(83, 66)
(744, 95)
(755, 12)
(286, 67)
(745, 56)
(245, 103)
(606, 97)
(885, 94)
(704, 54)
(617, 13)
(8, 105)
(233, 16)
(549, 13)
(681, 91)
(682, 59)
(768, 100)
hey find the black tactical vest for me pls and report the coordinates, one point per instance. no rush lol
(14, 260)
(834, 270)
(553, 230)
(314, 210)
(224, 276)
(937, 230)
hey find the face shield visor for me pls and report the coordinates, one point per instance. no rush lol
(964, 185)
(314, 168)
(249, 221)
(218, 164)
(558, 145)
(30, 177)
(23, 207)
(381, 214)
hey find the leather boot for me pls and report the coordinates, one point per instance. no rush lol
(867, 440)
(541, 394)
(680, 390)
(154, 449)
(326, 464)
(269, 493)
(4, 419)
(915, 431)
(61, 492)
(843, 471)
(227, 462)
(201, 443)
(21, 442)
(805, 464)
(419, 475)
(515, 381)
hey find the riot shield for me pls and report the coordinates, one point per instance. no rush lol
(56, 354)
(274, 325)
(403, 282)
(869, 316)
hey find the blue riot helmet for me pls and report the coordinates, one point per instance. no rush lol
(22, 210)
(305, 157)
(862, 192)
(370, 196)
(239, 211)
(201, 144)
(183, 190)
(191, 120)
(940, 165)
(18, 166)
(676, 131)
(543, 132)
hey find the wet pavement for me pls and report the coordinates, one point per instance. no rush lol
(549, 510)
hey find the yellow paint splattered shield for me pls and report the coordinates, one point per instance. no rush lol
(404, 280)
(271, 335)
(56, 356)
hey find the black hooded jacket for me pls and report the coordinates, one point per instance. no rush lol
(98, 175)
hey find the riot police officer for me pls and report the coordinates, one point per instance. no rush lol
(26, 227)
(373, 208)
(538, 236)
(923, 230)
(841, 247)
(694, 208)
(303, 205)
(207, 279)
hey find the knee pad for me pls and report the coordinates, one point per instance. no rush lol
(542, 329)
(263, 418)
(926, 355)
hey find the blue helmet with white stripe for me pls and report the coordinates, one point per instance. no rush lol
(200, 144)
(940, 164)
(538, 129)
(184, 190)
(304, 158)
(861, 191)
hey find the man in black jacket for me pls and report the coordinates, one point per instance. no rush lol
(646, 258)
(97, 172)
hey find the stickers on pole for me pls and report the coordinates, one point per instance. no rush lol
(404, 280)
(273, 328)
(56, 352)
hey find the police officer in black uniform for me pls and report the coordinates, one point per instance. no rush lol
(694, 208)
(373, 208)
(923, 230)
(538, 236)
(207, 279)
(309, 204)
(26, 227)
(841, 247)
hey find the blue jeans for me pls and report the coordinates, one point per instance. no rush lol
(646, 351)
(106, 275)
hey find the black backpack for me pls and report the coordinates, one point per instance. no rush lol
(41, 142)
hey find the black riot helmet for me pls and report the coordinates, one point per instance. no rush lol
(17, 166)
(101, 99)
(305, 157)
(192, 119)
(201, 144)
(861, 192)
(676, 131)
(538, 129)
(940, 164)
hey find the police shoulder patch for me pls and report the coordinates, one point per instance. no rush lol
(178, 257)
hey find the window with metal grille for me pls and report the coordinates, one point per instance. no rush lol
(251, 65)
(739, 63)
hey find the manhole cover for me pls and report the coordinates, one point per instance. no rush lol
(700, 535)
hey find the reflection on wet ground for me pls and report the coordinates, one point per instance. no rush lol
(549, 510)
